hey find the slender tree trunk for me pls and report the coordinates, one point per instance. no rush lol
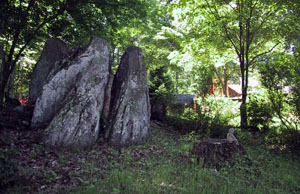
(176, 83)
(11, 83)
(222, 81)
(1, 93)
(3, 82)
(225, 89)
(1, 72)
(10, 58)
(243, 107)
(1, 58)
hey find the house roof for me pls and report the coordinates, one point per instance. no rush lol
(184, 98)
(235, 87)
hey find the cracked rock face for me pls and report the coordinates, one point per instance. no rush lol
(71, 102)
(130, 106)
(53, 52)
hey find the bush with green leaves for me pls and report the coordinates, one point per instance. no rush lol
(260, 112)
(161, 86)
(213, 117)
(218, 109)
(290, 138)
(280, 76)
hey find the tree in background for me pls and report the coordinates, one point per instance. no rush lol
(157, 42)
(246, 28)
(280, 71)
(25, 24)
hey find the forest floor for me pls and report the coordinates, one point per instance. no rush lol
(162, 165)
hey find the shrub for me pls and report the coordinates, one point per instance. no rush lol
(260, 112)
(212, 119)
(291, 139)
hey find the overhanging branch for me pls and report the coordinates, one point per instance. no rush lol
(261, 54)
(47, 20)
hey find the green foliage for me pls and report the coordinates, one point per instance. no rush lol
(160, 85)
(290, 138)
(260, 112)
(25, 25)
(280, 77)
(219, 109)
(213, 118)
(221, 32)
(183, 125)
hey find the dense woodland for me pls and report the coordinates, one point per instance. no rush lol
(239, 59)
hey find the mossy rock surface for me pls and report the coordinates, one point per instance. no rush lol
(70, 106)
(129, 120)
(53, 52)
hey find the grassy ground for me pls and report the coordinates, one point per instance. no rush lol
(162, 165)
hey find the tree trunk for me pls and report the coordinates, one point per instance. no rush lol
(10, 85)
(224, 86)
(3, 81)
(243, 107)
(243, 111)
(1, 58)
(1, 73)
(2, 88)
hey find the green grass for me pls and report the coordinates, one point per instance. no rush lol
(163, 165)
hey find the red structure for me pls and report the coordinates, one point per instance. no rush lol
(232, 90)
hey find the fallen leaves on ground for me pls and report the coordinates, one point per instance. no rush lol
(30, 167)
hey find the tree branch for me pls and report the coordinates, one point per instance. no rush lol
(263, 53)
(47, 20)
(266, 15)
(16, 36)
(216, 15)
(231, 39)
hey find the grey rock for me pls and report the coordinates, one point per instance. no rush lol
(54, 93)
(53, 52)
(19, 109)
(130, 106)
(70, 105)
(183, 99)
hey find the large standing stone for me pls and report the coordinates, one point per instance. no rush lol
(130, 106)
(53, 52)
(71, 103)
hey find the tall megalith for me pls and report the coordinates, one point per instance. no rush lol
(129, 120)
(54, 51)
(70, 105)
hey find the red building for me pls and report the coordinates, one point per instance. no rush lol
(233, 91)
